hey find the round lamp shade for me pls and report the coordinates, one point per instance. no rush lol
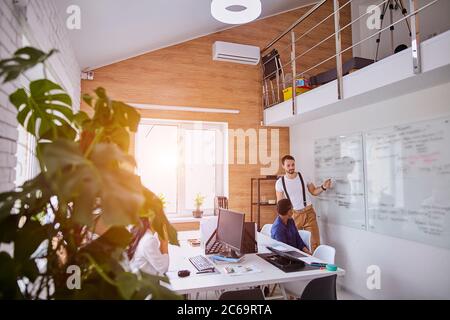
(220, 11)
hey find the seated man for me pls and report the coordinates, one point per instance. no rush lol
(284, 229)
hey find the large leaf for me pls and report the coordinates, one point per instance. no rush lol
(23, 59)
(121, 197)
(102, 259)
(8, 278)
(97, 180)
(121, 190)
(115, 118)
(110, 245)
(109, 155)
(46, 112)
(8, 228)
(30, 199)
(119, 136)
(103, 115)
(116, 236)
(74, 179)
(126, 115)
(28, 239)
(127, 284)
(61, 154)
(87, 98)
(81, 118)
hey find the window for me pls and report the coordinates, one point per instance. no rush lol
(178, 160)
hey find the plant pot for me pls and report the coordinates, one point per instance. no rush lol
(197, 213)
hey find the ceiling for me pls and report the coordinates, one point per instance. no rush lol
(114, 30)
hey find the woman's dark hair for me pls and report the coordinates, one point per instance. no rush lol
(138, 232)
(283, 207)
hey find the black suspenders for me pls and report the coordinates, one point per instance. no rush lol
(303, 188)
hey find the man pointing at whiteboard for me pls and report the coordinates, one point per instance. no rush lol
(292, 186)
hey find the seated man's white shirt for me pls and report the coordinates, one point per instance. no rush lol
(148, 257)
(294, 189)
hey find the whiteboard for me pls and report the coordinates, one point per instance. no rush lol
(341, 158)
(408, 181)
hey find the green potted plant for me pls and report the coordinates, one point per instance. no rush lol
(85, 174)
(198, 201)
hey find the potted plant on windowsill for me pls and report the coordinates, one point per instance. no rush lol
(197, 213)
(163, 200)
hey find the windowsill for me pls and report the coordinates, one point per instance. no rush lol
(175, 218)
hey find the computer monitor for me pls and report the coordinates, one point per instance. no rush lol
(230, 229)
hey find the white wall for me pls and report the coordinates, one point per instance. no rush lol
(409, 270)
(44, 29)
(432, 20)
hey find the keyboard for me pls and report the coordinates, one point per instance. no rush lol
(201, 263)
(216, 247)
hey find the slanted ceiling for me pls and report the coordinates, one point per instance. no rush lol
(115, 30)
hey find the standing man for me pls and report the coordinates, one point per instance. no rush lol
(292, 186)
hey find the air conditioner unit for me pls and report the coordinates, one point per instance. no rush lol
(234, 52)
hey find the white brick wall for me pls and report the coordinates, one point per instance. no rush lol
(49, 31)
(46, 30)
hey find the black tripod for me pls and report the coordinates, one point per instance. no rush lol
(391, 5)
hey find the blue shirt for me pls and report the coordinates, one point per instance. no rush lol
(287, 233)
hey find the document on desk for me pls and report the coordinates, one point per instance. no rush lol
(240, 270)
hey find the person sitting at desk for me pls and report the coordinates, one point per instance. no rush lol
(284, 229)
(147, 251)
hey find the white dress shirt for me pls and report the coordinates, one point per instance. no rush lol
(148, 257)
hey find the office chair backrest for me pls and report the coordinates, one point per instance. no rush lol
(306, 237)
(248, 294)
(321, 289)
(266, 229)
(271, 62)
(400, 48)
(220, 202)
(325, 253)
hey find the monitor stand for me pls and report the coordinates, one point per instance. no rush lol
(230, 253)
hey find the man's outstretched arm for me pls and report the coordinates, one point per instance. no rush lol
(315, 191)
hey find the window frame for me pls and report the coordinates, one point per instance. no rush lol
(221, 152)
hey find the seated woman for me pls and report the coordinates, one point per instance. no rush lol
(148, 252)
(284, 229)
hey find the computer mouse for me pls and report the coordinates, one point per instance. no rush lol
(183, 273)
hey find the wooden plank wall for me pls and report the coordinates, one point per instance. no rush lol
(186, 75)
(186, 226)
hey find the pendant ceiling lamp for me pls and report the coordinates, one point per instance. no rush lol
(220, 10)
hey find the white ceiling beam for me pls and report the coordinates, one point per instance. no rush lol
(182, 108)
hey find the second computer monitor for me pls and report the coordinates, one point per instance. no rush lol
(230, 229)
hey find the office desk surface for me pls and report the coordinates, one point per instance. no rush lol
(179, 260)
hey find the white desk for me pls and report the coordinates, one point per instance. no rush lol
(179, 260)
